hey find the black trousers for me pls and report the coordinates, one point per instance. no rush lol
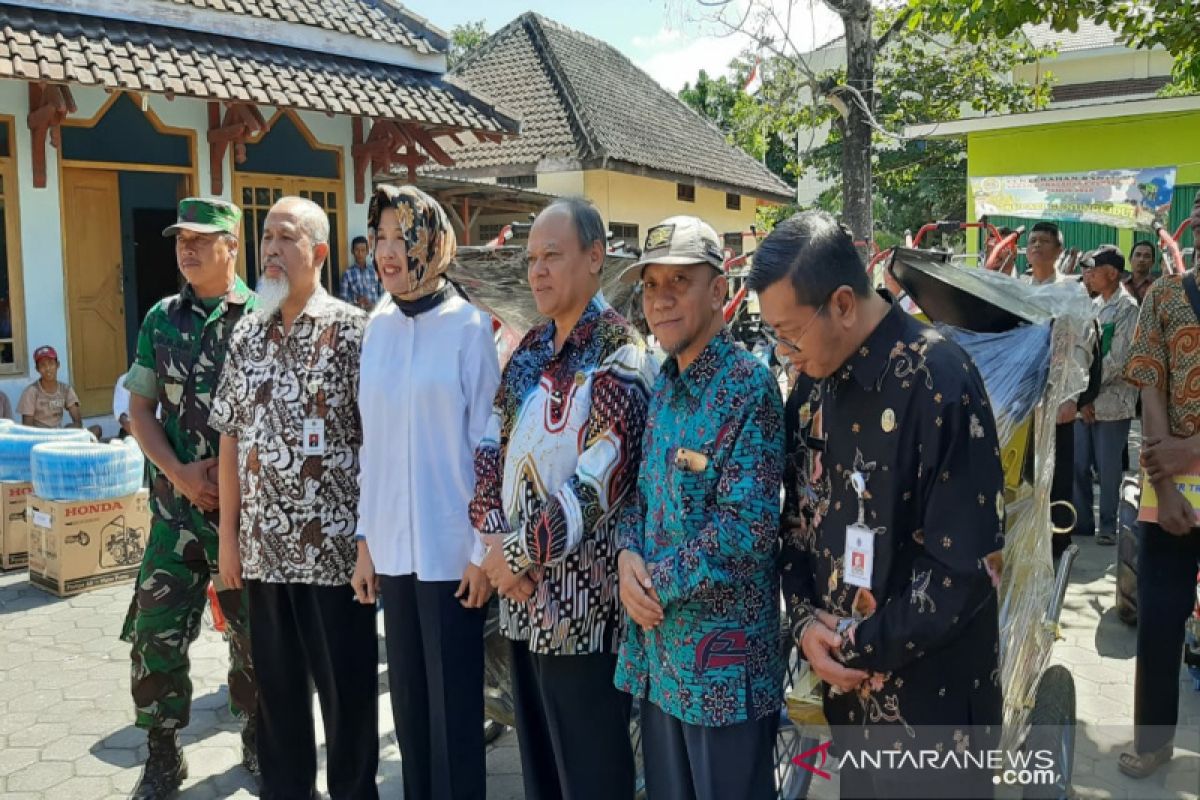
(691, 762)
(435, 673)
(572, 725)
(305, 636)
(1166, 584)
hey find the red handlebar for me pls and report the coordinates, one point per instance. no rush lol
(1170, 244)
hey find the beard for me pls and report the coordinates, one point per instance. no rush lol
(272, 292)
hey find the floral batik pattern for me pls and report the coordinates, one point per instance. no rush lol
(908, 414)
(557, 463)
(707, 528)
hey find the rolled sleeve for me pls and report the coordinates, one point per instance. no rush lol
(142, 381)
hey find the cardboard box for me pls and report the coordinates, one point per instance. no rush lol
(77, 545)
(14, 531)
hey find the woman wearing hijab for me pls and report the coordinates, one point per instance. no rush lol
(429, 375)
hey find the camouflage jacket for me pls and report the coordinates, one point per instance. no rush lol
(180, 350)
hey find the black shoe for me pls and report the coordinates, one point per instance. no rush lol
(250, 749)
(165, 767)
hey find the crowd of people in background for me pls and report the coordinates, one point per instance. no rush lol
(623, 502)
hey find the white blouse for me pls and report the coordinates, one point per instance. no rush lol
(426, 389)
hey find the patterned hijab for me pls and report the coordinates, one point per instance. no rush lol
(428, 237)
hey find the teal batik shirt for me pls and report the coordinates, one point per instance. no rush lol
(708, 530)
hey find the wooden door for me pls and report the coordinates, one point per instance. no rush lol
(95, 290)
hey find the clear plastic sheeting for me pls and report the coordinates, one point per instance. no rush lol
(497, 280)
(1014, 365)
(1028, 627)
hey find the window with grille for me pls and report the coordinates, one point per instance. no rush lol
(733, 243)
(624, 232)
(685, 192)
(733, 202)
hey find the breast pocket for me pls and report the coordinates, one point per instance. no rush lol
(693, 481)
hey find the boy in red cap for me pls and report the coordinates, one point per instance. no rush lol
(43, 402)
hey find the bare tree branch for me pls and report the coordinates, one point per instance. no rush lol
(896, 26)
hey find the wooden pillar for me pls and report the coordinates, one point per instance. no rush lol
(466, 220)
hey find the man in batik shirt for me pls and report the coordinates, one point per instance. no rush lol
(1164, 362)
(287, 411)
(893, 519)
(698, 541)
(558, 461)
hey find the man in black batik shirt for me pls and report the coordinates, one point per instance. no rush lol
(893, 518)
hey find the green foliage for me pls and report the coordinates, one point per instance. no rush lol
(918, 80)
(463, 39)
(1171, 24)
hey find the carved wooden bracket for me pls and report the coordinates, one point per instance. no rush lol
(242, 121)
(391, 143)
(49, 105)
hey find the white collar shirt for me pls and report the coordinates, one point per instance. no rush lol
(426, 388)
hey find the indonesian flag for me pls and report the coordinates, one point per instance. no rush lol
(754, 79)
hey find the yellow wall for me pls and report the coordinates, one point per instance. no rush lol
(646, 201)
(562, 184)
(632, 199)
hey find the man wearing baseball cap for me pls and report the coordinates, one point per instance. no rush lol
(43, 402)
(696, 567)
(1103, 425)
(180, 350)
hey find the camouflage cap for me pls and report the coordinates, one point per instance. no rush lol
(206, 215)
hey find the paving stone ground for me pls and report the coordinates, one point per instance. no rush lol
(66, 728)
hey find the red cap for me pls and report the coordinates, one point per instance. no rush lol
(44, 352)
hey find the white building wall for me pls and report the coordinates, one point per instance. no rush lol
(40, 209)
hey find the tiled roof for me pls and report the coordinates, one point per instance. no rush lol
(581, 99)
(68, 48)
(1090, 36)
(382, 20)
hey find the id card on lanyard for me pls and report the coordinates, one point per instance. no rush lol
(858, 561)
(312, 434)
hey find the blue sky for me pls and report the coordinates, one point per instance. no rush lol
(667, 38)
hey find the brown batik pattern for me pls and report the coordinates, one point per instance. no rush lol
(299, 512)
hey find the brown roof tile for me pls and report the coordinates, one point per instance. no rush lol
(580, 98)
(382, 20)
(128, 55)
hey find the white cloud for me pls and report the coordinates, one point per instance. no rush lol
(674, 66)
(678, 51)
(663, 37)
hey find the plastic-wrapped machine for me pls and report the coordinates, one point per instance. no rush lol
(1032, 345)
(497, 279)
(16, 442)
(87, 470)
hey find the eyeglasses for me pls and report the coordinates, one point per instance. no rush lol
(778, 341)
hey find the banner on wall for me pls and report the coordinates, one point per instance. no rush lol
(1122, 198)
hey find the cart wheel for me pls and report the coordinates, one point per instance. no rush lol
(791, 782)
(1053, 729)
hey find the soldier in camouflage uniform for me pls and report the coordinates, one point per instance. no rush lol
(180, 350)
